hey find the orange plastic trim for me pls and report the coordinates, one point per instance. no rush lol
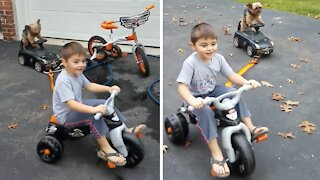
(262, 137)
(108, 47)
(108, 25)
(111, 165)
(46, 152)
(150, 7)
(139, 135)
(51, 80)
(169, 130)
(53, 119)
(132, 37)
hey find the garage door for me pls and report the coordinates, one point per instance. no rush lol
(80, 19)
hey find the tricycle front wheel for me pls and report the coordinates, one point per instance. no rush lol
(142, 61)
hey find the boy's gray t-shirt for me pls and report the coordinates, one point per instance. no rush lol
(201, 77)
(67, 88)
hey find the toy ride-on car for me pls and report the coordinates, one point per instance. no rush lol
(129, 145)
(39, 57)
(255, 43)
(235, 136)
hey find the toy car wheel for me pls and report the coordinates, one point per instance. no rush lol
(135, 149)
(38, 66)
(116, 52)
(245, 163)
(236, 42)
(142, 61)
(250, 50)
(49, 149)
(22, 60)
(177, 129)
(96, 42)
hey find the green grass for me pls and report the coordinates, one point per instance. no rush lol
(303, 7)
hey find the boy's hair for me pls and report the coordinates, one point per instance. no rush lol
(70, 49)
(202, 30)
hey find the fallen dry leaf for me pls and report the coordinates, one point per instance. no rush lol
(184, 11)
(226, 30)
(286, 135)
(294, 39)
(305, 60)
(231, 55)
(180, 50)
(44, 106)
(187, 143)
(300, 93)
(165, 148)
(289, 81)
(292, 103)
(174, 19)
(181, 19)
(307, 126)
(12, 125)
(267, 84)
(277, 96)
(295, 66)
(165, 14)
(285, 107)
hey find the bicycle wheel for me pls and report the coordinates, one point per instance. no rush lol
(96, 42)
(116, 52)
(142, 61)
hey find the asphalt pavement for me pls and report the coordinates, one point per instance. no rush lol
(278, 157)
(23, 91)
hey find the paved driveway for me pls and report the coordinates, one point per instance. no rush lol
(277, 158)
(23, 91)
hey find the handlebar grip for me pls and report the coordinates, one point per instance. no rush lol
(150, 7)
(97, 116)
(190, 108)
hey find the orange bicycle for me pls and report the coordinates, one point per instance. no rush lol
(100, 49)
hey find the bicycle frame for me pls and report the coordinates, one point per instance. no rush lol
(128, 22)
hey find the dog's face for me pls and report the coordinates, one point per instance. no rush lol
(255, 7)
(34, 28)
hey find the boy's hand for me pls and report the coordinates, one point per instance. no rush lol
(116, 88)
(100, 109)
(197, 103)
(253, 83)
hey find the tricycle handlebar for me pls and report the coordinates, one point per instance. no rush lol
(225, 105)
(109, 104)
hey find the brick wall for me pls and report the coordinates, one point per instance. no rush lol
(7, 20)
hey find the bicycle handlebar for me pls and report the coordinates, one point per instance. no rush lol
(109, 104)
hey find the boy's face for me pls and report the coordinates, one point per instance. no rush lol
(75, 65)
(205, 48)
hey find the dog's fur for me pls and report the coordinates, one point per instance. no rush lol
(251, 13)
(29, 33)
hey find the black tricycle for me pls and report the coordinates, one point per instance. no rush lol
(129, 145)
(235, 136)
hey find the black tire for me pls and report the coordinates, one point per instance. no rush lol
(135, 149)
(250, 50)
(22, 60)
(142, 61)
(53, 145)
(236, 42)
(116, 52)
(245, 163)
(92, 44)
(38, 66)
(179, 128)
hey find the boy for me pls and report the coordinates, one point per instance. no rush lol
(197, 80)
(71, 110)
